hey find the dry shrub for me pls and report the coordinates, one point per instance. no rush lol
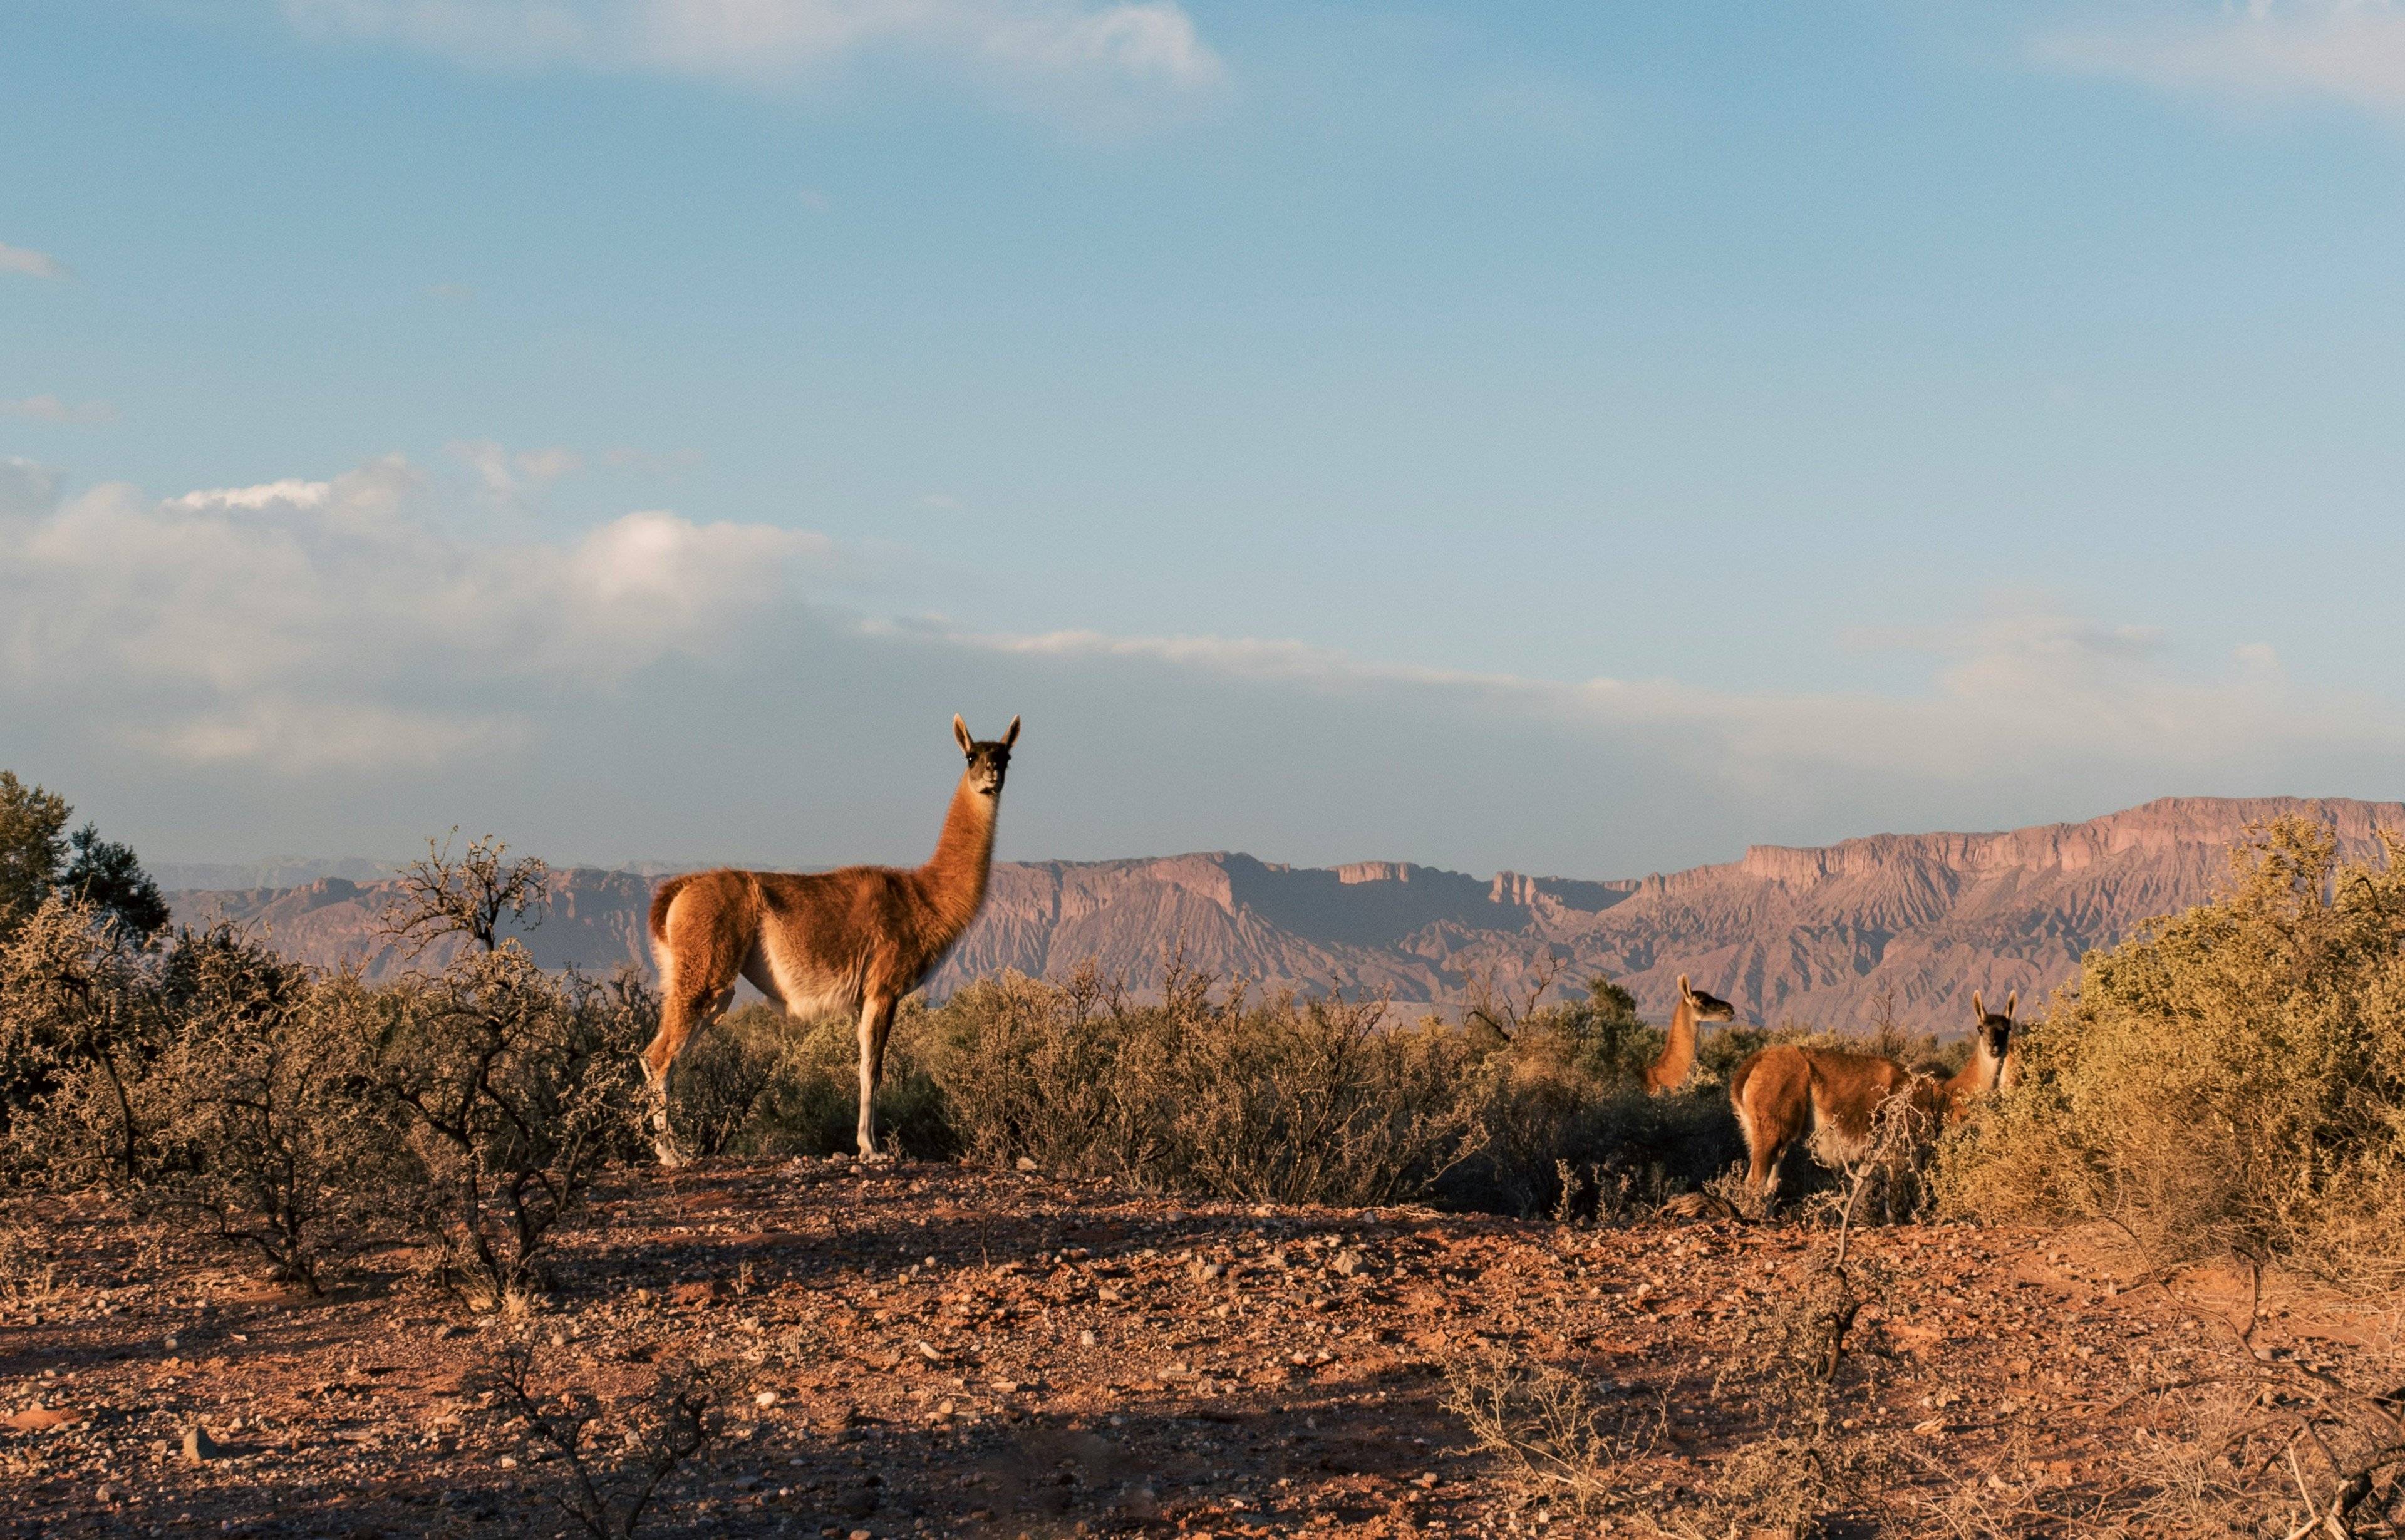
(1800, 1355)
(29, 1274)
(2203, 1476)
(1788, 1484)
(269, 1127)
(226, 1089)
(516, 1088)
(1553, 1433)
(613, 1460)
(1288, 1100)
(80, 1026)
(2231, 1080)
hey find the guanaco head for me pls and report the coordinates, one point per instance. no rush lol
(1994, 1028)
(987, 762)
(1707, 1007)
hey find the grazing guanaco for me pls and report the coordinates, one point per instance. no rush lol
(1784, 1092)
(854, 940)
(1677, 1059)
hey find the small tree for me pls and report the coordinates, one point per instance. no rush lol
(107, 876)
(32, 844)
(38, 858)
(517, 1086)
(470, 897)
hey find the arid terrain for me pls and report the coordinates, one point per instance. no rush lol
(937, 1350)
(1831, 936)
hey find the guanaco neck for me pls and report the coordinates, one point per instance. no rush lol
(1975, 1078)
(1678, 1057)
(953, 879)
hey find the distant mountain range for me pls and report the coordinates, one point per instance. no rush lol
(1814, 935)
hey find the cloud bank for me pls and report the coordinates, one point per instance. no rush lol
(343, 665)
(303, 626)
(1149, 43)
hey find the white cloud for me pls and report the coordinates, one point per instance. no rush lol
(513, 477)
(295, 624)
(1152, 43)
(33, 264)
(2346, 50)
(2023, 690)
(49, 409)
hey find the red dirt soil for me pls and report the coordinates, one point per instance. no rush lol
(937, 1350)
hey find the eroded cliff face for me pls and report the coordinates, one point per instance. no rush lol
(1817, 935)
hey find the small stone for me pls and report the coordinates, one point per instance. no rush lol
(509, 1462)
(862, 1535)
(1085, 1339)
(1026, 1164)
(199, 1446)
(764, 1399)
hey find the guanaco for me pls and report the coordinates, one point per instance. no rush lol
(1783, 1092)
(1677, 1059)
(854, 940)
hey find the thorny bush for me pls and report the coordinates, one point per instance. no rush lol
(2229, 1080)
(517, 1087)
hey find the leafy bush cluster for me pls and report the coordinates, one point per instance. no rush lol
(1205, 1088)
(2229, 1080)
(301, 1117)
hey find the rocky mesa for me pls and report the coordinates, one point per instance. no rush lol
(1819, 935)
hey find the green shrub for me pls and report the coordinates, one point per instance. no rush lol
(2231, 1079)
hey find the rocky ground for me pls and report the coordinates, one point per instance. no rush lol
(935, 1349)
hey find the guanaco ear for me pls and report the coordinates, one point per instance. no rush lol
(1978, 1007)
(961, 733)
(2010, 1001)
(1010, 734)
(1685, 992)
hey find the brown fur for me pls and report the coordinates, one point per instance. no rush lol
(1677, 1059)
(854, 941)
(1784, 1093)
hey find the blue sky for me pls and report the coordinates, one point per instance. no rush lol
(1585, 439)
